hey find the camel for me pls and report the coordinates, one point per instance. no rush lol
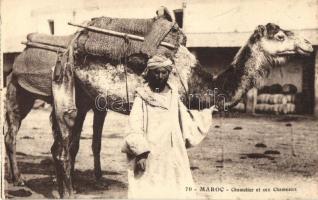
(100, 86)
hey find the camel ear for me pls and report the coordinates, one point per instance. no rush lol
(165, 13)
(272, 29)
(259, 32)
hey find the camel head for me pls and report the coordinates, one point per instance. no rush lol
(267, 47)
(278, 43)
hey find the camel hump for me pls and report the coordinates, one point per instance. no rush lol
(61, 41)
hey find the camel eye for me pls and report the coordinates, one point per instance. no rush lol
(280, 37)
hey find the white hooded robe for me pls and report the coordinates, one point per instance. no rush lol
(162, 125)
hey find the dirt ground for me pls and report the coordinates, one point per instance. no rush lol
(239, 152)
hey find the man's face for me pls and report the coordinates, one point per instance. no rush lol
(158, 77)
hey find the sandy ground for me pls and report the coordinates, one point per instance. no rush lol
(239, 152)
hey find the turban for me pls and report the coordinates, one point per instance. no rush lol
(157, 62)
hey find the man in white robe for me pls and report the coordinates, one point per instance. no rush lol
(161, 128)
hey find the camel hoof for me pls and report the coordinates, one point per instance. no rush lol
(19, 182)
(98, 176)
(102, 185)
(67, 195)
(54, 180)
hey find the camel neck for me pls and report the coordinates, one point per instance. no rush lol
(231, 84)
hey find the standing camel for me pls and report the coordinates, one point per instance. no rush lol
(31, 79)
(268, 46)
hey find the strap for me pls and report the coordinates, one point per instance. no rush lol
(126, 44)
(155, 36)
(183, 85)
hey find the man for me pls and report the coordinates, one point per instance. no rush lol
(160, 129)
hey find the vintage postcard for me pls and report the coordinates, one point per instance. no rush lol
(163, 99)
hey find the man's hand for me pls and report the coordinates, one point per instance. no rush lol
(141, 163)
(213, 109)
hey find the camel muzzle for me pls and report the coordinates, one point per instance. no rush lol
(304, 47)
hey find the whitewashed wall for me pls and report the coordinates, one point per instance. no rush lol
(228, 23)
(21, 17)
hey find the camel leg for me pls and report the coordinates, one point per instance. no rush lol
(64, 116)
(77, 129)
(56, 151)
(61, 156)
(98, 123)
(18, 104)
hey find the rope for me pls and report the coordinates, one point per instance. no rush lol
(126, 45)
(183, 85)
(222, 146)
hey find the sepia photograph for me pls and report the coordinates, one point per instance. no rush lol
(161, 99)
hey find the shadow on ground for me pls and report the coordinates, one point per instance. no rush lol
(40, 179)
